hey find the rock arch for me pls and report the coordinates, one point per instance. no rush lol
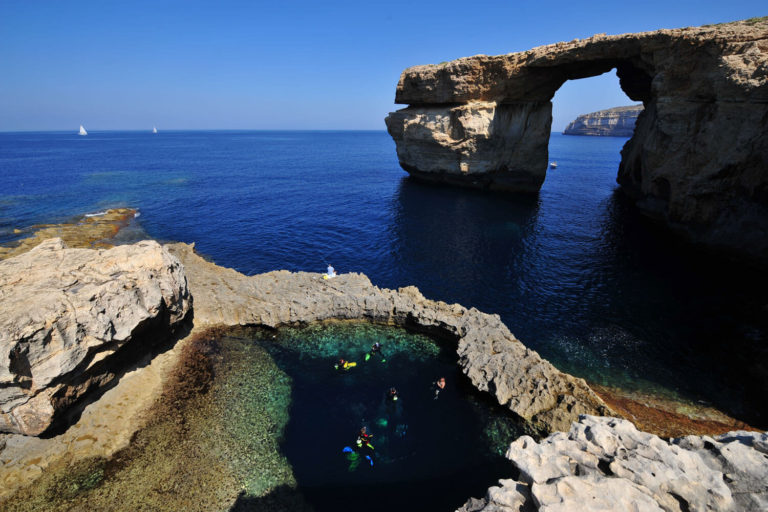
(698, 159)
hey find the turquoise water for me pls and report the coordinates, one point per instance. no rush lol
(428, 453)
(574, 271)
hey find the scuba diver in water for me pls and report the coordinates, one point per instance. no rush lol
(391, 396)
(364, 439)
(438, 386)
(343, 364)
(363, 450)
(375, 351)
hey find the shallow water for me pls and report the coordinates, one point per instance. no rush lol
(574, 272)
(260, 419)
(429, 454)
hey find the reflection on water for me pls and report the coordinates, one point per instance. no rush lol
(594, 287)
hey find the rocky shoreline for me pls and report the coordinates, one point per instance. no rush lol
(607, 464)
(492, 358)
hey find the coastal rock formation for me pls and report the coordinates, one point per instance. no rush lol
(493, 359)
(70, 317)
(698, 155)
(612, 122)
(607, 464)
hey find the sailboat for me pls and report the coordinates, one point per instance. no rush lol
(82, 131)
(154, 129)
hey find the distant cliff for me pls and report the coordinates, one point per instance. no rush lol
(613, 122)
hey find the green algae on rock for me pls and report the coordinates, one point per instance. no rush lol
(198, 452)
(216, 435)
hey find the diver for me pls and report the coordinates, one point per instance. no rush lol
(363, 445)
(391, 396)
(343, 364)
(364, 439)
(375, 350)
(438, 386)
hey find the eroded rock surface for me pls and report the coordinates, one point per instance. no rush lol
(699, 154)
(607, 464)
(612, 122)
(489, 354)
(68, 317)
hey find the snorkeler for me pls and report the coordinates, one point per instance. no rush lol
(343, 364)
(391, 396)
(364, 438)
(438, 386)
(375, 350)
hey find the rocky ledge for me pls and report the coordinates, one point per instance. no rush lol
(698, 155)
(612, 122)
(607, 464)
(70, 318)
(492, 358)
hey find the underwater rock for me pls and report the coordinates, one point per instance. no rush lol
(696, 160)
(493, 359)
(606, 463)
(69, 317)
(92, 231)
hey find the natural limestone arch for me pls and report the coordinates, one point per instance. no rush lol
(698, 159)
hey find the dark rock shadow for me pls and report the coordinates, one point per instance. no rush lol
(282, 498)
(106, 374)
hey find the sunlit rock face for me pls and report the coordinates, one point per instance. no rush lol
(612, 122)
(698, 156)
(70, 317)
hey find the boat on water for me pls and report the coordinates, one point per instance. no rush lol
(154, 129)
(82, 131)
(553, 165)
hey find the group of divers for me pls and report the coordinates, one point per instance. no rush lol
(363, 448)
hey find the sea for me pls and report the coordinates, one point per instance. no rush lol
(575, 272)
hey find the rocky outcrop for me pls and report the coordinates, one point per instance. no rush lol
(492, 358)
(70, 317)
(607, 464)
(698, 155)
(612, 122)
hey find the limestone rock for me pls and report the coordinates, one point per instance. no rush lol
(489, 354)
(607, 464)
(698, 155)
(612, 122)
(69, 316)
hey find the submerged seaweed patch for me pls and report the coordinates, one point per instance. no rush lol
(254, 418)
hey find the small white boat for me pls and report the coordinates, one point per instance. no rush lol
(154, 129)
(82, 131)
(553, 165)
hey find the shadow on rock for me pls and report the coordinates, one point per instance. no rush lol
(282, 498)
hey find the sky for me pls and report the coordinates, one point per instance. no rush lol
(285, 65)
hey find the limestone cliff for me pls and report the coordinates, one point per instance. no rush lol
(612, 122)
(698, 156)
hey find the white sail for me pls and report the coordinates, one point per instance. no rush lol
(154, 129)
(82, 131)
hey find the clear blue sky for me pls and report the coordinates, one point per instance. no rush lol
(284, 65)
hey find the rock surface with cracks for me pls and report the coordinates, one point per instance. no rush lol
(69, 316)
(607, 464)
(489, 354)
(697, 160)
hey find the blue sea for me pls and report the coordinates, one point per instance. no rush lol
(574, 272)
